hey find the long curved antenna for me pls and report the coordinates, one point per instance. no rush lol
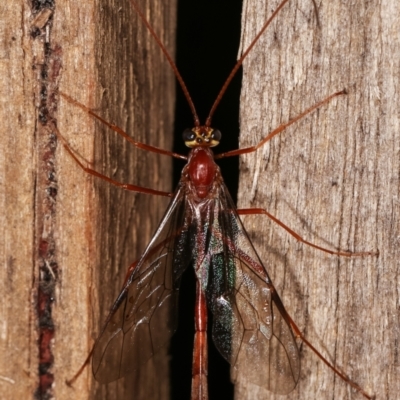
(239, 63)
(170, 61)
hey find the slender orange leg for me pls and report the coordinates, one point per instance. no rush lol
(259, 269)
(121, 132)
(91, 171)
(255, 211)
(200, 351)
(129, 273)
(297, 332)
(279, 129)
(71, 381)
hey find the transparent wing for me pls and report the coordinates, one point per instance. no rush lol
(250, 326)
(143, 318)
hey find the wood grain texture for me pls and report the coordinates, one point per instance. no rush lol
(127, 87)
(66, 235)
(18, 352)
(334, 178)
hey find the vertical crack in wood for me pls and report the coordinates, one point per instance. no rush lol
(47, 268)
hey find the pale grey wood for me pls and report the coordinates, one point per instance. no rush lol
(99, 53)
(333, 178)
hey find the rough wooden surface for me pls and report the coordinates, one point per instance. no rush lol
(68, 239)
(334, 178)
(18, 353)
(129, 89)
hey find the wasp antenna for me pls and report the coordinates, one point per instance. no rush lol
(170, 61)
(240, 62)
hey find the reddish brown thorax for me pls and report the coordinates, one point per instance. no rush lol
(202, 169)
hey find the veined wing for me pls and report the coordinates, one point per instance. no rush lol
(143, 317)
(251, 328)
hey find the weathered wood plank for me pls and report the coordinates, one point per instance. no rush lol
(333, 178)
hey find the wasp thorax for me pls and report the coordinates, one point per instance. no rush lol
(201, 136)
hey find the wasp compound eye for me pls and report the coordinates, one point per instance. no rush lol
(216, 135)
(188, 135)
